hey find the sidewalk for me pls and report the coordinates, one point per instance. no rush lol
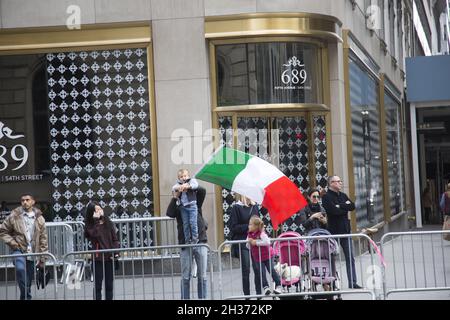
(426, 265)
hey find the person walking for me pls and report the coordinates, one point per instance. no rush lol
(337, 206)
(24, 231)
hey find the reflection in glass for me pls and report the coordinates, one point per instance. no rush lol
(262, 73)
(394, 162)
(366, 146)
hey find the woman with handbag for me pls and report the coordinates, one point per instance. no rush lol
(240, 215)
(102, 233)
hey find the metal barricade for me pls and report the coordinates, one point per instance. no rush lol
(80, 243)
(132, 232)
(9, 277)
(137, 277)
(416, 262)
(60, 239)
(314, 272)
(149, 233)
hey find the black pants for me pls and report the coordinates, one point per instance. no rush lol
(245, 267)
(103, 269)
(347, 246)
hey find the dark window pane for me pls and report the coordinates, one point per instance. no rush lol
(366, 146)
(262, 73)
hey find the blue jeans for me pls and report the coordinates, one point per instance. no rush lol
(200, 254)
(24, 275)
(189, 217)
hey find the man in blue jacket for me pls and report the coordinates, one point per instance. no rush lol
(338, 205)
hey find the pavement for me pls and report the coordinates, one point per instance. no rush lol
(412, 263)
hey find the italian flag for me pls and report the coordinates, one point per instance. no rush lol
(256, 179)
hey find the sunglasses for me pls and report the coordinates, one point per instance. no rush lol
(316, 197)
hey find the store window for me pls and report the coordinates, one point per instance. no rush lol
(394, 154)
(74, 128)
(268, 73)
(366, 143)
(283, 140)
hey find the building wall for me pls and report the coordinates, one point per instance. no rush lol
(181, 63)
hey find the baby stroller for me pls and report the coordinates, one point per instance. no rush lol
(289, 266)
(322, 263)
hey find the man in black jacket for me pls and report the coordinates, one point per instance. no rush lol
(199, 253)
(338, 205)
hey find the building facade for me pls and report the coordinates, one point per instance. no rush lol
(110, 110)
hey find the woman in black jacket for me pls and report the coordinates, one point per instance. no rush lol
(240, 215)
(313, 216)
(102, 233)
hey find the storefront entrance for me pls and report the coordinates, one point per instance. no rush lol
(294, 142)
(433, 136)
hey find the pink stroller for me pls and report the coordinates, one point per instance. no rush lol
(290, 254)
(322, 264)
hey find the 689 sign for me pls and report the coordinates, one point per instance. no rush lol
(13, 157)
(294, 76)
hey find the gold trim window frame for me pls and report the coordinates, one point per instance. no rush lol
(103, 37)
(272, 27)
(321, 83)
(352, 49)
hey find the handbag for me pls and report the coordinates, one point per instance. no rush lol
(42, 277)
(446, 227)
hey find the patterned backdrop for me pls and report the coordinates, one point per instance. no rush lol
(320, 151)
(289, 151)
(100, 133)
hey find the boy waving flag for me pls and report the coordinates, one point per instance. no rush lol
(256, 179)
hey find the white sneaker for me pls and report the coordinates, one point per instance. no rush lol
(278, 290)
(267, 291)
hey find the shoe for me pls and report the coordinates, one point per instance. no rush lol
(356, 286)
(267, 291)
(278, 290)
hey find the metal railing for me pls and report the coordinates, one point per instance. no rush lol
(159, 278)
(137, 277)
(146, 232)
(9, 289)
(415, 262)
(319, 275)
(60, 237)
